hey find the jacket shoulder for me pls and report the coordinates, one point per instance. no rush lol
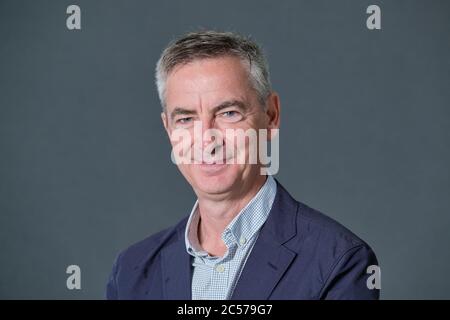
(151, 245)
(315, 223)
(334, 254)
(138, 257)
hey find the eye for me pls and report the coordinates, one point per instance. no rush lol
(184, 120)
(231, 115)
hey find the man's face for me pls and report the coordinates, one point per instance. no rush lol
(216, 94)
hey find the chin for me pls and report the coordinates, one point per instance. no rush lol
(214, 179)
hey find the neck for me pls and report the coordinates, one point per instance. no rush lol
(216, 215)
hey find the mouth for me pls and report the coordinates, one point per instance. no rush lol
(212, 161)
(213, 167)
(223, 161)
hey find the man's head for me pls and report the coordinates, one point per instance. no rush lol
(221, 82)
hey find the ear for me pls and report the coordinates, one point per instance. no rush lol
(273, 113)
(165, 122)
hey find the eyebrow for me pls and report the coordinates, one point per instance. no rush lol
(181, 111)
(226, 104)
(230, 103)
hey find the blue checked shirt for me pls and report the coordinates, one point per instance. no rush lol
(214, 278)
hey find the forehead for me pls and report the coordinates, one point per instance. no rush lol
(206, 82)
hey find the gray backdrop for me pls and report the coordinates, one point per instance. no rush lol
(85, 165)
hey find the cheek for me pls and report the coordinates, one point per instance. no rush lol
(186, 171)
(255, 121)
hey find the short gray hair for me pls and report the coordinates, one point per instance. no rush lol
(212, 44)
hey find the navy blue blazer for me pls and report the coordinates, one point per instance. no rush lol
(300, 254)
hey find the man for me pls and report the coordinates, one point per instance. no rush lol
(246, 237)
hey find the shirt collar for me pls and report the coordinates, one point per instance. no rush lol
(243, 227)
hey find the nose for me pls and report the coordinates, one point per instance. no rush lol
(210, 132)
(212, 140)
(207, 126)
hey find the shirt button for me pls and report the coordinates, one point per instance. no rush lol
(220, 268)
(242, 241)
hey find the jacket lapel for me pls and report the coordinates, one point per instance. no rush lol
(269, 259)
(176, 270)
